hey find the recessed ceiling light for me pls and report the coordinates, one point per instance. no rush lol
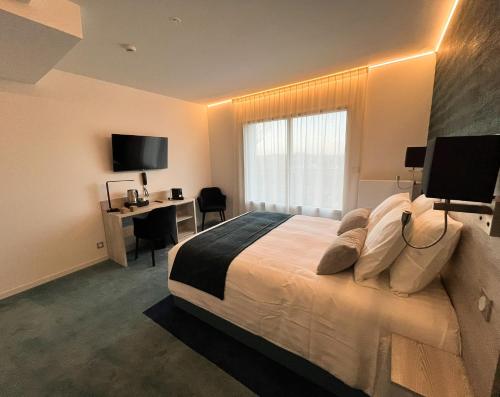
(129, 47)
(175, 20)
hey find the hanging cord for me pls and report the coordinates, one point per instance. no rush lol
(405, 220)
(398, 178)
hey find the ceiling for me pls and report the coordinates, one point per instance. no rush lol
(225, 48)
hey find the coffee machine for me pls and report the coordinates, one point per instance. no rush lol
(176, 194)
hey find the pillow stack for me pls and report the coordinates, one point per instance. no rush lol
(414, 269)
(345, 250)
(411, 270)
(374, 243)
(383, 244)
(394, 201)
(354, 219)
(420, 205)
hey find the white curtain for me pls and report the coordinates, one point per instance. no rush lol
(298, 147)
(317, 161)
(296, 165)
(266, 163)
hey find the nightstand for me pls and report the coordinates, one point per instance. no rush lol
(426, 370)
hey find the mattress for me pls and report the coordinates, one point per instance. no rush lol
(272, 290)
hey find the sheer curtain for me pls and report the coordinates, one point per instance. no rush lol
(265, 164)
(300, 146)
(317, 158)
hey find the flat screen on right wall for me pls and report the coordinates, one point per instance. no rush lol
(466, 95)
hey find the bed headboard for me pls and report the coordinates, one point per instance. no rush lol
(475, 266)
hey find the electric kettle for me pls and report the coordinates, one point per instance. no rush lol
(132, 196)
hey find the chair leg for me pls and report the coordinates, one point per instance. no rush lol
(203, 221)
(153, 254)
(136, 247)
(221, 217)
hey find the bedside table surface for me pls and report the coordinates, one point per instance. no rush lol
(426, 370)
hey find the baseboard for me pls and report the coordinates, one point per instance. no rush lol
(50, 277)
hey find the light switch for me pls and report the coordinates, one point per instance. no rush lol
(484, 305)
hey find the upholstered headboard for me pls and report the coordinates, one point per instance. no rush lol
(475, 267)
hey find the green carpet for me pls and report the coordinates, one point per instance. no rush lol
(85, 335)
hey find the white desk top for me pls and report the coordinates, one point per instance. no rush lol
(152, 205)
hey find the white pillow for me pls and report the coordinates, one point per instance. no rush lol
(420, 205)
(382, 246)
(414, 269)
(385, 206)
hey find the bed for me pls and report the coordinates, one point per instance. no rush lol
(272, 291)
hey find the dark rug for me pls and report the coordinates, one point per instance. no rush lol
(260, 374)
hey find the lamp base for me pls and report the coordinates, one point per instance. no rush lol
(113, 210)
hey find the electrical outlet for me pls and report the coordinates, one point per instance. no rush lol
(100, 244)
(484, 304)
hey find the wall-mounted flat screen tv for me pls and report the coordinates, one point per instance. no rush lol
(137, 153)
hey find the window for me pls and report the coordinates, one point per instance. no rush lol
(296, 162)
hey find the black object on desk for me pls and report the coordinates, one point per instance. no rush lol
(176, 194)
(140, 203)
(110, 209)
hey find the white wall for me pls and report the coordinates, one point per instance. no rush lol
(223, 156)
(398, 103)
(55, 155)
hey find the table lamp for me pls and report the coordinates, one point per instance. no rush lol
(461, 168)
(414, 158)
(110, 209)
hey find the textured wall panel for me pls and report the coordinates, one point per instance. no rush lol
(476, 266)
(466, 101)
(466, 97)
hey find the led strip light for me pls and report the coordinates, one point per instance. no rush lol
(407, 58)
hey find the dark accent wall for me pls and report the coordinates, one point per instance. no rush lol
(466, 96)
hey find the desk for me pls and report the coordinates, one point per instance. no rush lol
(118, 234)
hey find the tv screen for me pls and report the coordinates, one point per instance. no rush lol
(137, 153)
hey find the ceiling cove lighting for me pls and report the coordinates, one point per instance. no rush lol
(219, 103)
(423, 54)
(285, 86)
(445, 28)
(301, 82)
(377, 65)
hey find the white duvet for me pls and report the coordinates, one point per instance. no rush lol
(272, 290)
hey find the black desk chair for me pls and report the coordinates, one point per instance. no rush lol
(211, 199)
(159, 227)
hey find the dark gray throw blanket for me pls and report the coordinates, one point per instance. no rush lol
(203, 261)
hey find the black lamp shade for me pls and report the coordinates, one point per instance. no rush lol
(415, 156)
(462, 168)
